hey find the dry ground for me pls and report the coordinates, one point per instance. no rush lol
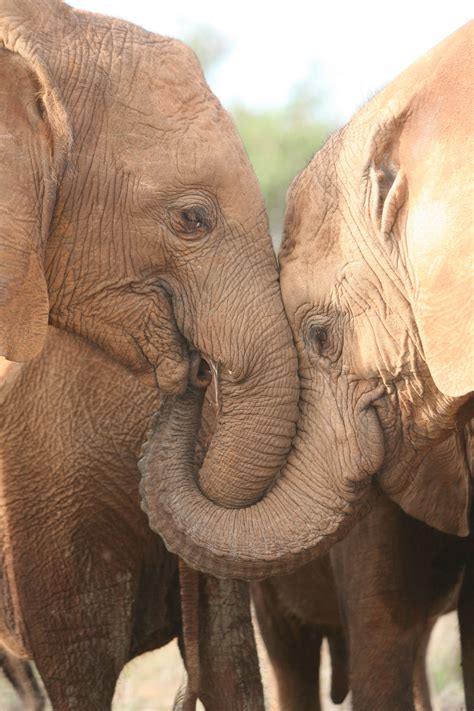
(149, 683)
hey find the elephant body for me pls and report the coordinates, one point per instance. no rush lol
(376, 599)
(86, 585)
(394, 576)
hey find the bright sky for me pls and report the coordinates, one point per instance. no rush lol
(348, 49)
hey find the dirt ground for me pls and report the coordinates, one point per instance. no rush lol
(149, 683)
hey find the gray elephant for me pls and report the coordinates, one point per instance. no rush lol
(85, 584)
(365, 269)
(130, 214)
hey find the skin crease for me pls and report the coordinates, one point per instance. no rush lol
(86, 585)
(142, 226)
(359, 299)
(393, 577)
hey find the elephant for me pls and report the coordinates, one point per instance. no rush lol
(85, 584)
(374, 279)
(130, 215)
(376, 597)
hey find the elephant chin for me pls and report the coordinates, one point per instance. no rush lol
(289, 526)
(169, 380)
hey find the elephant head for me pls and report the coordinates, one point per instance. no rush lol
(130, 214)
(375, 281)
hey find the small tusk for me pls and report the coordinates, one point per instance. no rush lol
(215, 378)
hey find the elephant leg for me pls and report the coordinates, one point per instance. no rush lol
(219, 644)
(80, 666)
(294, 650)
(466, 625)
(382, 665)
(420, 677)
(21, 676)
(384, 594)
(79, 619)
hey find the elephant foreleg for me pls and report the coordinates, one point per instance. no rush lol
(219, 645)
(294, 650)
(466, 625)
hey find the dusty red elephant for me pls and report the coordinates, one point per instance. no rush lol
(85, 584)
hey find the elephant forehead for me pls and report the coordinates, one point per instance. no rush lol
(198, 148)
(164, 77)
(306, 281)
(313, 218)
(202, 156)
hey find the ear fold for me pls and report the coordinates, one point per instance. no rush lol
(32, 155)
(439, 235)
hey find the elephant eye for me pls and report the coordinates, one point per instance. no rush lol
(191, 221)
(323, 335)
(317, 336)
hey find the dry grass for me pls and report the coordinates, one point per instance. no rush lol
(150, 682)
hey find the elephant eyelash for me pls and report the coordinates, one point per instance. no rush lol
(191, 221)
(318, 335)
(322, 336)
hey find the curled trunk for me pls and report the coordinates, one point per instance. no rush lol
(288, 527)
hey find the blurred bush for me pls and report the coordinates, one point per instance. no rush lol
(279, 140)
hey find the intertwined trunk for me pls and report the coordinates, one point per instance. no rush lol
(294, 522)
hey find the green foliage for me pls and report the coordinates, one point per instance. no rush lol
(280, 142)
(210, 46)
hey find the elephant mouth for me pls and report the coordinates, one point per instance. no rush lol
(200, 370)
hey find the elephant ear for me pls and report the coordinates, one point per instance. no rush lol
(439, 491)
(34, 136)
(421, 161)
(439, 235)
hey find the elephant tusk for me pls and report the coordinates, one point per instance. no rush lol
(215, 380)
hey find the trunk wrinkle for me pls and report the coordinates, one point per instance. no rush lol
(287, 528)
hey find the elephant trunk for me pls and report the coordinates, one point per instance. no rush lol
(254, 428)
(288, 527)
